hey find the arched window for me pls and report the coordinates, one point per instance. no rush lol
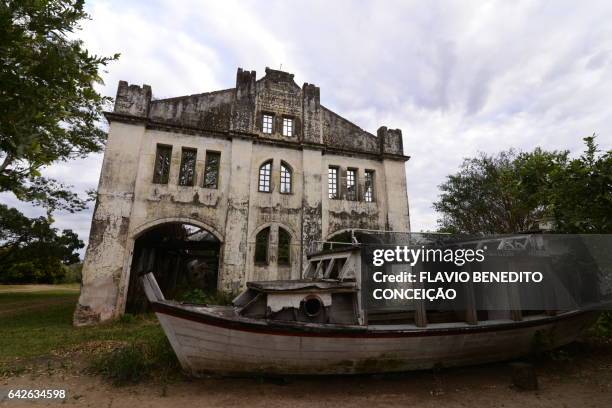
(284, 247)
(261, 246)
(285, 178)
(265, 172)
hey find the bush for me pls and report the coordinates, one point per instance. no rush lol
(34, 272)
(136, 362)
(603, 326)
(198, 296)
(73, 273)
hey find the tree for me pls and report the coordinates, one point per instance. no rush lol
(513, 192)
(49, 109)
(32, 251)
(579, 195)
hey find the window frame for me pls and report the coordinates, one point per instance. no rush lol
(291, 126)
(287, 261)
(289, 170)
(163, 178)
(256, 254)
(369, 189)
(267, 178)
(264, 123)
(210, 153)
(352, 195)
(336, 182)
(184, 151)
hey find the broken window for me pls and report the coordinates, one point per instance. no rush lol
(267, 122)
(351, 184)
(332, 182)
(368, 194)
(211, 170)
(285, 178)
(264, 176)
(287, 127)
(261, 246)
(284, 247)
(162, 164)
(188, 164)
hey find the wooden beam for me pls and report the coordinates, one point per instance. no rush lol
(329, 267)
(514, 297)
(471, 315)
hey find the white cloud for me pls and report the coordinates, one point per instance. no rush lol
(457, 77)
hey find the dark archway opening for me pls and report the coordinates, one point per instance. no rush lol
(182, 257)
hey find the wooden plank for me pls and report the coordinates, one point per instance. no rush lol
(329, 267)
(471, 315)
(514, 297)
(151, 288)
(318, 270)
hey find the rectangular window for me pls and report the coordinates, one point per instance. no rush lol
(351, 184)
(332, 182)
(267, 123)
(211, 170)
(368, 194)
(163, 155)
(188, 164)
(287, 127)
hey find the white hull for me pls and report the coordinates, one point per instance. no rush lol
(238, 347)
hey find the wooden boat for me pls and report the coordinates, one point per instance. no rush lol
(318, 326)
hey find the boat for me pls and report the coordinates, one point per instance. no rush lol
(319, 325)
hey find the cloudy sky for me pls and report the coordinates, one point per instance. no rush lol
(456, 77)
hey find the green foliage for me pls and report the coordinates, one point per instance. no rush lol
(49, 109)
(73, 273)
(31, 251)
(579, 195)
(198, 296)
(142, 360)
(603, 327)
(512, 192)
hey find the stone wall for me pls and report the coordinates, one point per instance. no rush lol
(229, 122)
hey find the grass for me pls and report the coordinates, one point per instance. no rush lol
(142, 360)
(39, 324)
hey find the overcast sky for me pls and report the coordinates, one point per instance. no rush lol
(456, 77)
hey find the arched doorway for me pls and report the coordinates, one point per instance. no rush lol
(183, 258)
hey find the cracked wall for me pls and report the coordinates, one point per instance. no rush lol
(228, 122)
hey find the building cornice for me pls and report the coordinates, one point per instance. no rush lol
(255, 138)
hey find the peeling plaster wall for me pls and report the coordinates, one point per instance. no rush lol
(275, 210)
(229, 122)
(343, 214)
(104, 260)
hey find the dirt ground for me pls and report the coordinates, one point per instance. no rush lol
(580, 376)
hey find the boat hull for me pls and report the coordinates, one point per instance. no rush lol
(205, 344)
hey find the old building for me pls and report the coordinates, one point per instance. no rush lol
(224, 187)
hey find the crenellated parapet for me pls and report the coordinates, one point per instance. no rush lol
(311, 102)
(133, 100)
(240, 110)
(390, 140)
(243, 107)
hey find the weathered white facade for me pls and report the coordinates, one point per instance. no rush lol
(230, 124)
